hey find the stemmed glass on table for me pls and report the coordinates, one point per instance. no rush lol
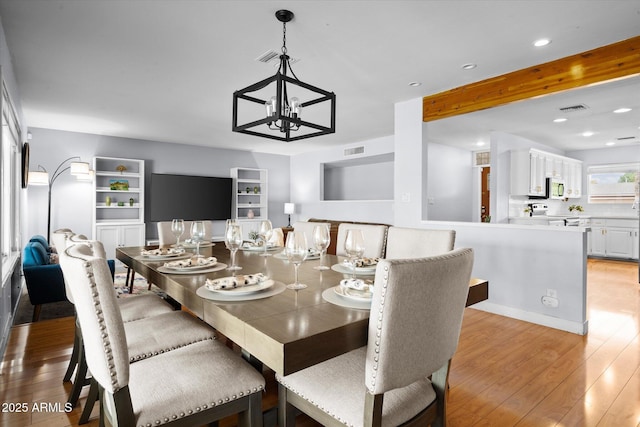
(321, 238)
(177, 228)
(233, 240)
(354, 246)
(296, 250)
(265, 231)
(197, 234)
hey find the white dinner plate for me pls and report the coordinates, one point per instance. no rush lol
(216, 267)
(193, 245)
(277, 288)
(259, 248)
(244, 290)
(166, 256)
(353, 293)
(283, 255)
(345, 269)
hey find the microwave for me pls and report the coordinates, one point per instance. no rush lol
(555, 188)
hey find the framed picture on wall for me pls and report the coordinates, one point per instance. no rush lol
(25, 165)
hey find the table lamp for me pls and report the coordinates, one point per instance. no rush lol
(289, 208)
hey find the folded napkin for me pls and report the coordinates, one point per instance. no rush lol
(235, 281)
(357, 284)
(160, 251)
(191, 262)
(363, 262)
(313, 252)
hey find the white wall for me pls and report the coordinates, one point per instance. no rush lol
(449, 183)
(71, 199)
(306, 185)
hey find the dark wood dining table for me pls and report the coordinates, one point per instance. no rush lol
(288, 331)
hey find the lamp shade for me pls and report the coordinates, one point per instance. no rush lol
(79, 168)
(289, 208)
(38, 178)
(86, 176)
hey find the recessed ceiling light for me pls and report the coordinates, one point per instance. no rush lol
(480, 143)
(415, 84)
(560, 120)
(588, 133)
(469, 66)
(610, 143)
(541, 42)
(622, 110)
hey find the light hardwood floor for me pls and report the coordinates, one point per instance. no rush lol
(505, 373)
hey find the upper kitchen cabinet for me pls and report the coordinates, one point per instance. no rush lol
(528, 173)
(530, 169)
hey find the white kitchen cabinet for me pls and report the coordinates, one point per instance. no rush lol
(572, 177)
(528, 173)
(614, 238)
(598, 241)
(618, 242)
(116, 235)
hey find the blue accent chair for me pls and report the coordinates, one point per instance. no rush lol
(45, 283)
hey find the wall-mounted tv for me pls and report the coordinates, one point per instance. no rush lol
(188, 197)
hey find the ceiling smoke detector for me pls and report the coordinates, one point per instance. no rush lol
(572, 108)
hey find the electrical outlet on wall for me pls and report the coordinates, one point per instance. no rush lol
(552, 293)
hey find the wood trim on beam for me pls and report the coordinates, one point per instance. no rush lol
(614, 61)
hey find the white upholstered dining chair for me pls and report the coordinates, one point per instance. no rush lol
(191, 385)
(418, 242)
(416, 316)
(307, 229)
(375, 239)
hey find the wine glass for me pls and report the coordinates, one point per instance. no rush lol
(354, 246)
(296, 250)
(233, 240)
(177, 228)
(197, 234)
(321, 239)
(265, 231)
(226, 228)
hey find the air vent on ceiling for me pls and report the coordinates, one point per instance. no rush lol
(626, 138)
(573, 108)
(273, 57)
(352, 151)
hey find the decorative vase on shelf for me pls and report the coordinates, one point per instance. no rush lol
(131, 201)
(107, 201)
(256, 190)
(250, 214)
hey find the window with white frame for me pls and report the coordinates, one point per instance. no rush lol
(615, 183)
(10, 159)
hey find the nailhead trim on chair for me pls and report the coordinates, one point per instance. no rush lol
(201, 408)
(156, 352)
(376, 349)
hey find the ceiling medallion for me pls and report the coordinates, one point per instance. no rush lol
(281, 100)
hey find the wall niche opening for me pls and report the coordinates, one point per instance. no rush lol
(362, 178)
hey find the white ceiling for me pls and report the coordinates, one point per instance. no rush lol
(166, 70)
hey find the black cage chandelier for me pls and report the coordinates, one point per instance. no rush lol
(282, 115)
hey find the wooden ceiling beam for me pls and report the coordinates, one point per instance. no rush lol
(614, 61)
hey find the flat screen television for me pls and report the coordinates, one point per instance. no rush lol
(189, 197)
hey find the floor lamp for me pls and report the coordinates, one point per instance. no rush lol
(77, 168)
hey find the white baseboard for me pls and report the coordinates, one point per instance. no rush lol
(537, 318)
